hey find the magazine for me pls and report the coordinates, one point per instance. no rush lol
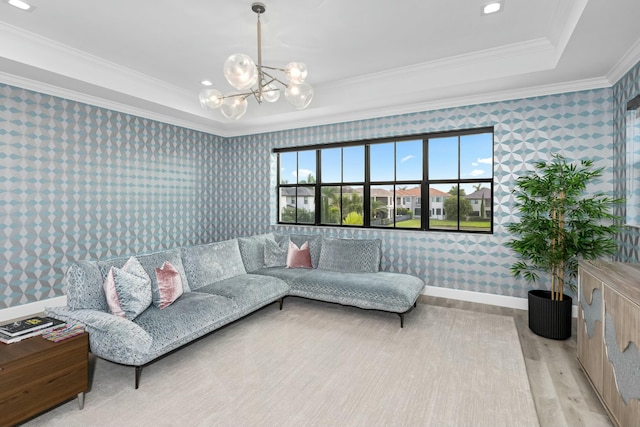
(25, 326)
(54, 324)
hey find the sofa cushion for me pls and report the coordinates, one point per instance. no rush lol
(275, 253)
(150, 262)
(213, 262)
(252, 251)
(192, 315)
(111, 337)
(315, 244)
(169, 284)
(386, 291)
(350, 255)
(83, 286)
(248, 291)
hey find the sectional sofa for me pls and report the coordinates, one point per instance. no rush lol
(138, 309)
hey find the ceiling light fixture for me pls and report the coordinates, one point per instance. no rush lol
(251, 79)
(20, 5)
(492, 7)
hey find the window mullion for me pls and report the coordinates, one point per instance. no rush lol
(318, 187)
(424, 191)
(366, 191)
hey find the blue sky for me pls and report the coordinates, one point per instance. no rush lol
(476, 159)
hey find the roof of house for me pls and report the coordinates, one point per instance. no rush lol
(302, 191)
(482, 193)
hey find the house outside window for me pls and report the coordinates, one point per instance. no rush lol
(381, 183)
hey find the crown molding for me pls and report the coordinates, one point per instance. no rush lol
(344, 116)
(565, 24)
(61, 92)
(315, 120)
(80, 69)
(41, 52)
(537, 54)
(626, 63)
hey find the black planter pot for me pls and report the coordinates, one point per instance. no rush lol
(548, 318)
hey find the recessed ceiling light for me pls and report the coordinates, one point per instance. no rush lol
(21, 5)
(492, 7)
(206, 83)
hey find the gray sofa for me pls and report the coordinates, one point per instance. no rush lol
(223, 282)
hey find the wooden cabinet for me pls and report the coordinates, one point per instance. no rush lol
(590, 331)
(609, 335)
(36, 375)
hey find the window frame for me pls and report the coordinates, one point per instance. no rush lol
(425, 183)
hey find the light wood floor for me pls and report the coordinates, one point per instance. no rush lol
(561, 391)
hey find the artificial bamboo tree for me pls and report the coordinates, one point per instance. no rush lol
(560, 223)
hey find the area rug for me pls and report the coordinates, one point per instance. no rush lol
(319, 364)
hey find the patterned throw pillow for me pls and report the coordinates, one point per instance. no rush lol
(252, 251)
(83, 286)
(275, 254)
(350, 255)
(298, 257)
(128, 289)
(169, 284)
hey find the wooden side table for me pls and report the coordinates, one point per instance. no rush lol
(37, 374)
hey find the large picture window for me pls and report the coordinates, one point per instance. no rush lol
(441, 182)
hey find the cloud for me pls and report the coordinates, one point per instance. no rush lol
(405, 158)
(476, 172)
(302, 173)
(486, 161)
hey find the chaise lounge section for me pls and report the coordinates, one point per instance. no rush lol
(217, 283)
(343, 271)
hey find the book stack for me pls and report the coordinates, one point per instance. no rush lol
(27, 328)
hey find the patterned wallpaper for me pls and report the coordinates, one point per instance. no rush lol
(80, 182)
(577, 125)
(623, 91)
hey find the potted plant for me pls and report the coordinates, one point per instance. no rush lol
(559, 224)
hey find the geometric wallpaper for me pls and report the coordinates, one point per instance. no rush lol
(84, 182)
(577, 125)
(624, 90)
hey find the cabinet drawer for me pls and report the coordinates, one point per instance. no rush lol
(590, 327)
(36, 374)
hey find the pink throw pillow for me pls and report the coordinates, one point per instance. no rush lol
(169, 284)
(110, 293)
(298, 257)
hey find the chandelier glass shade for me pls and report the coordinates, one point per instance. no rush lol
(259, 81)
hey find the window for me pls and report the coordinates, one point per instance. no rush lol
(382, 183)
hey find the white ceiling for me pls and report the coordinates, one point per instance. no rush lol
(365, 58)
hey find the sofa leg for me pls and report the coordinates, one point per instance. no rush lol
(138, 373)
(281, 301)
(401, 319)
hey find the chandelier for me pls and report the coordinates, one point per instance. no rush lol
(257, 80)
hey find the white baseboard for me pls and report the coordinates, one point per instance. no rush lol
(30, 309)
(483, 298)
(26, 310)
